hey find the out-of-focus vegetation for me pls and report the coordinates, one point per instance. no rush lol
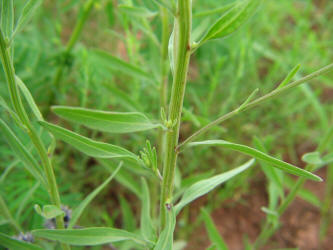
(111, 55)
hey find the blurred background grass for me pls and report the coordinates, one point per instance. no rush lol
(222, 74)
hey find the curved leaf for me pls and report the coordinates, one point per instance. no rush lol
(287, 167)
(232, 20)
(21, 152)
(112, 122)
(88, 236)
(80, 208)
(86, 145)
(165, 241)
(202, 187)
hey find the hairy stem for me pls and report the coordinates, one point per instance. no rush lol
(255, 103)
(19, 109)
(182, 38)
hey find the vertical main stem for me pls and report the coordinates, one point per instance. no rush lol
(182, 48)
(19, 109)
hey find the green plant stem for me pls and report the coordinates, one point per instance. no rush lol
(19, 109)
(87, 7)
(182, 39)
(255, 103)
(163, 99)
(268, 230)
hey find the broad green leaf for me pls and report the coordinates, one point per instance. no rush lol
(21, 152)
(48, 211)
(10, 243)
(287, 167)
(29, 99)
(204, 186)
(86, 145)
(232, 20)
(312, 158)
(115, 63)
(88, 236)
(213, 233)
(26, 14)
(147, 229)
(112, 122)
(80, 208)
(165, 240)
(136, 11)
(7, 17)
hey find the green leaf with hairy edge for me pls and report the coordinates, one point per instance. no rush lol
(146, 226)
(112, 122)
(80, 208)
(27, 13)
(165, 241)
(232, 20)
(116, 63)
(29, 98)
(88, 236)
(21, 152)
(10, 243)
(204, 186)
(136, 11)
(213, 233)
(48, 211)
(287, 167)
(7, 17)
(86, 145)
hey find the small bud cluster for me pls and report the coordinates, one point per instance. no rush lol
(168, 123)
(149, 158)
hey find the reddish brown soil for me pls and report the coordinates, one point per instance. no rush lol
(300, 223)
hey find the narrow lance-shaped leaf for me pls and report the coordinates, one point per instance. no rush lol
(204, 186)
(79, 210)
(287, 167)
(10, 243)
(147, 229)
(21, 152)
(136, 11)
(86, 145)
(116, 63)
(29, 98)
(165, 241)
(112, 122)
(27, 13)
(213, 233)
(88, 236)
(232, 20)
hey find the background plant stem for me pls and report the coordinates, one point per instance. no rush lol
(256, 102)
(268, 230)
(182, 39)
(19, 109)
(87, 7)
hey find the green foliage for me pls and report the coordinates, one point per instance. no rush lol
(105, 65)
